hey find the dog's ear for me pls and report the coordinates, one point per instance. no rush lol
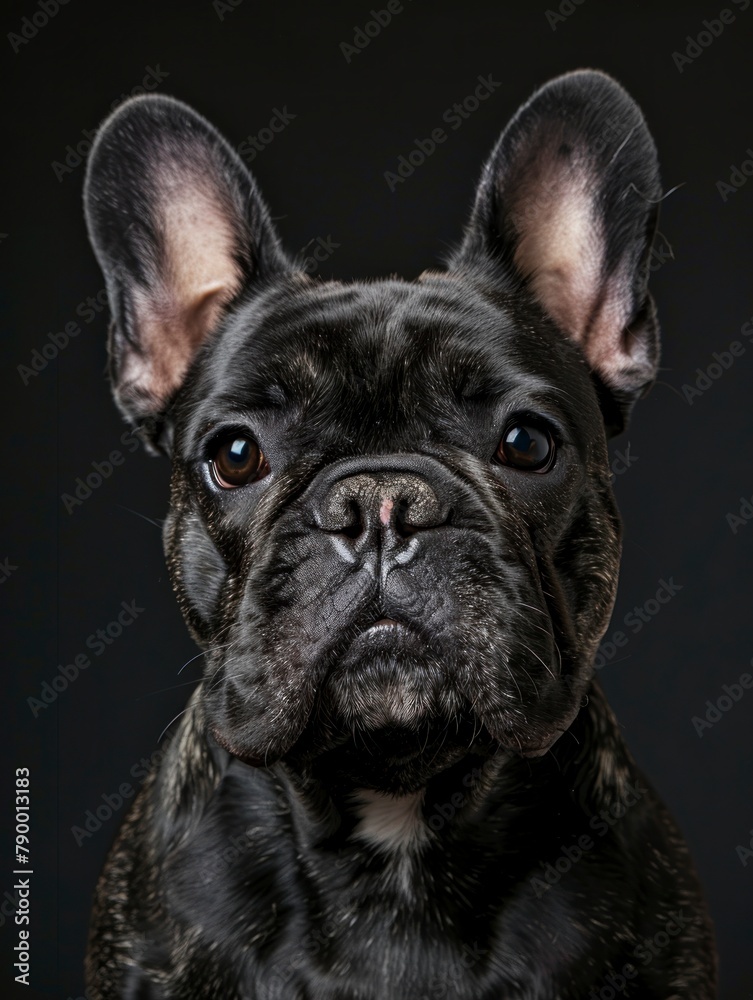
(567, 206)
(179, 230)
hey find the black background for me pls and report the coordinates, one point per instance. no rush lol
(323, 176)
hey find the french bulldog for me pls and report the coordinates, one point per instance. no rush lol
(393, 536)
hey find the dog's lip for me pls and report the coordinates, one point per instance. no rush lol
(385, 625)
(385, 630)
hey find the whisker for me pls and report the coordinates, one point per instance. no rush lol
(476, 722)
(535, 685)
(548, 669)
(515, 682)
(157, 524)
(202, 653)
(558, 651)
(173, 687)
(170, 723)
(205, 652)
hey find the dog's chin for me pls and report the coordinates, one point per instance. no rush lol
(389, 689)
(388, 715)
(387, 680)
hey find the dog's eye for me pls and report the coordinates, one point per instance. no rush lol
(526, 446)
(237, 461)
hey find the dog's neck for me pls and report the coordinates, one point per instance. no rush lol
(334, 811)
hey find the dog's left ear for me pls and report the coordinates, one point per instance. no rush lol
(180, 232)
(567, 205)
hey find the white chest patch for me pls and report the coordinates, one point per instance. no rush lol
(394, 823)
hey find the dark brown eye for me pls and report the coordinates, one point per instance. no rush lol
(238, 461)
(526, 446)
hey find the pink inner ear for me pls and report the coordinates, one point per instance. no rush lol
(561, 247)
(198, 277)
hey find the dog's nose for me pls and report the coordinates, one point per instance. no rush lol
(380, 508)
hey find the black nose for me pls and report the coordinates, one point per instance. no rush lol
(379, 508)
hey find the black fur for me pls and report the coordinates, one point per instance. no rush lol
(535, 861)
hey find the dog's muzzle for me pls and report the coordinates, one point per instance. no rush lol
(377, 514)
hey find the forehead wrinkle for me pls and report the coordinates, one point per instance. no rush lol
(381, 313)
(384, 350)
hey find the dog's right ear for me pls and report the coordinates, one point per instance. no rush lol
(179, 230)
(567, 205)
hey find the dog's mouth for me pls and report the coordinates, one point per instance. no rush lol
(386, 630)
(393, 700)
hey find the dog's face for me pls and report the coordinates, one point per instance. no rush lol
(392, 526)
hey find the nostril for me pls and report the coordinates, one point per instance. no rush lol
(401, 520)
(354, 528)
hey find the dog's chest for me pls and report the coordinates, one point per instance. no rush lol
(370, 954)
(377, 916)
(380, 925)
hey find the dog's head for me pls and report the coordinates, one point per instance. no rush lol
(392, 526)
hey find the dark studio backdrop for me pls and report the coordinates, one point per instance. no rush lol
(84, 711)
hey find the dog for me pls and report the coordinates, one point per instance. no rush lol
(393, 535)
